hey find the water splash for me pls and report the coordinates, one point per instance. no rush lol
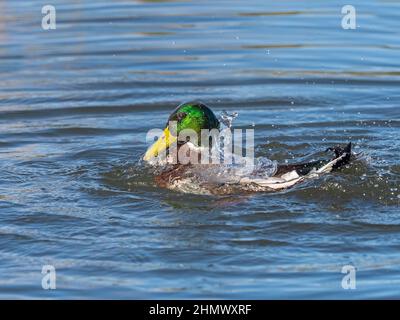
(227, 118)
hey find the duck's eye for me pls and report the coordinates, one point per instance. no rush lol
(181, 115)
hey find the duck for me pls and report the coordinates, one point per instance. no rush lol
(194, 177)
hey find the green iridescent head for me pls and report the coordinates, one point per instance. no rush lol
(189, 115)
(195, 116)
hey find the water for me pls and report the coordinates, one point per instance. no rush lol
(76, 103)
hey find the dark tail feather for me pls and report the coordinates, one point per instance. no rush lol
(305, 168)
(339, 152)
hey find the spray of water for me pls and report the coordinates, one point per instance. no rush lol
(241, 166)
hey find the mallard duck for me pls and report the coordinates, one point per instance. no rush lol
(218, 178)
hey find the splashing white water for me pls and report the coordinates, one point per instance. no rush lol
(227, 118)
(240, 166)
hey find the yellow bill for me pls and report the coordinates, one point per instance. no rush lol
(161, 145)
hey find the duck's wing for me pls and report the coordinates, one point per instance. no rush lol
(289, 175)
